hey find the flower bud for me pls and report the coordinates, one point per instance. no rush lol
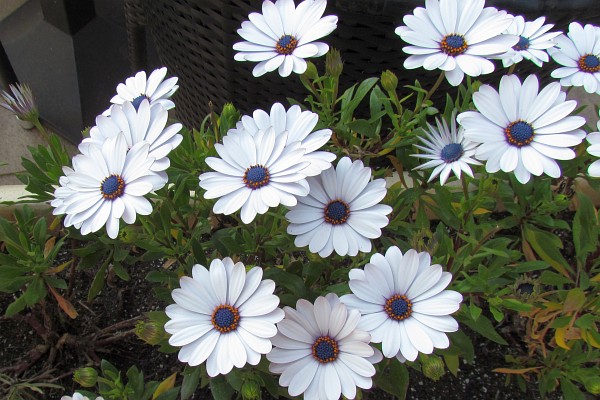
(433, 367)
(250, 390)
(86, 377)
(150, 332)
(592, 385)
(333, 63)
(389, 81)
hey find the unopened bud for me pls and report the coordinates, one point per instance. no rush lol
(250, 390)
(150, 332)
(86, 377)
(433, 367)
(592, 385)
(389, 81)
(333, 63)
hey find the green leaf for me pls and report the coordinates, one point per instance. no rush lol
(292, 283)
(516, 305)
(98, 282)
(191, 379)
(220, 389)
(585, 232)
(348, 107)
(547, 246)
(394, 380)
(570, 391)
(15, 307)
(483, 326)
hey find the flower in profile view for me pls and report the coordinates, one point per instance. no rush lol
(155, 89)
(403, 303)
(579, 54)
(593, 139)
(534, 40)
(341, 212)
(448, 151)
(456, 36)
(319, 351)
(224, 316)
(522, 130)
(255, 173)
(79, 396)
(147, 123)
(21, 102)
(104, 185)
(298, 125)
(284, 35)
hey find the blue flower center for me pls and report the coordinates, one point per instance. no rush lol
(286, 45)
(398, 307)
(256, 177)
(337, 212)
(589, 63)
(138, 100)
(112, 187)
(522, 44)
(225, 318)
(519, 133)
(453, 44)
(452, 152)
(325, 349)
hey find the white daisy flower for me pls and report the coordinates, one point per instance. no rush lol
(403, 303)
(447, 150)
(579, 54)
(283, 36)
(521, 130)
(104, 185)
(594, 149)
(341, 212)
(534, 40)
(455, 36)
(145, 123)
(319, 351)
(79, 396)
(298, 125)
(224, 316)
(155, 89)
(255, 173)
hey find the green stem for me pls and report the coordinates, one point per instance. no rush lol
(435, 87)
(38, 125)
(465, 186)
(511, 69)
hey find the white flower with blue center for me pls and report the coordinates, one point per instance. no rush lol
(79, 396)
(403, 303)
(156, 89)
(223, 316)
(298, 125)
(104, 185)
(456, 36)
(534, 41)
(284, 35)
(522, 130)
(579, 54)
(341, 212)
(593, 139)
(255, 172)
(448, 151)
(319, 351)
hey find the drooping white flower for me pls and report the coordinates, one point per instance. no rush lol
(79, 396)
(522, 130)
(593, 139)
(147, 123)
(341, 212)
(155, 89)
(455, 36)
(579, 54)
(104, 185)
(298, 125)
(255, 173)
(534, 40)
(319, 351)
(224, 316)
(284, 35)
(448, 150)
(403, 303)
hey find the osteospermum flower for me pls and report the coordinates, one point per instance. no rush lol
(579, 54)
(224, 316)
(79, 396)
(283, 36)
(403, 303)
(447, 150)
(255, 173)
(155, 89)
(320, 352)
(146, 123)
(341, 212)
(534, 40)
(104, 185)
(594, 149)
(522, 130)
(298, 125)
(21, 102)
(455, 36)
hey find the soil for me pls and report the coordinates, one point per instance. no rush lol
(51, 350)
